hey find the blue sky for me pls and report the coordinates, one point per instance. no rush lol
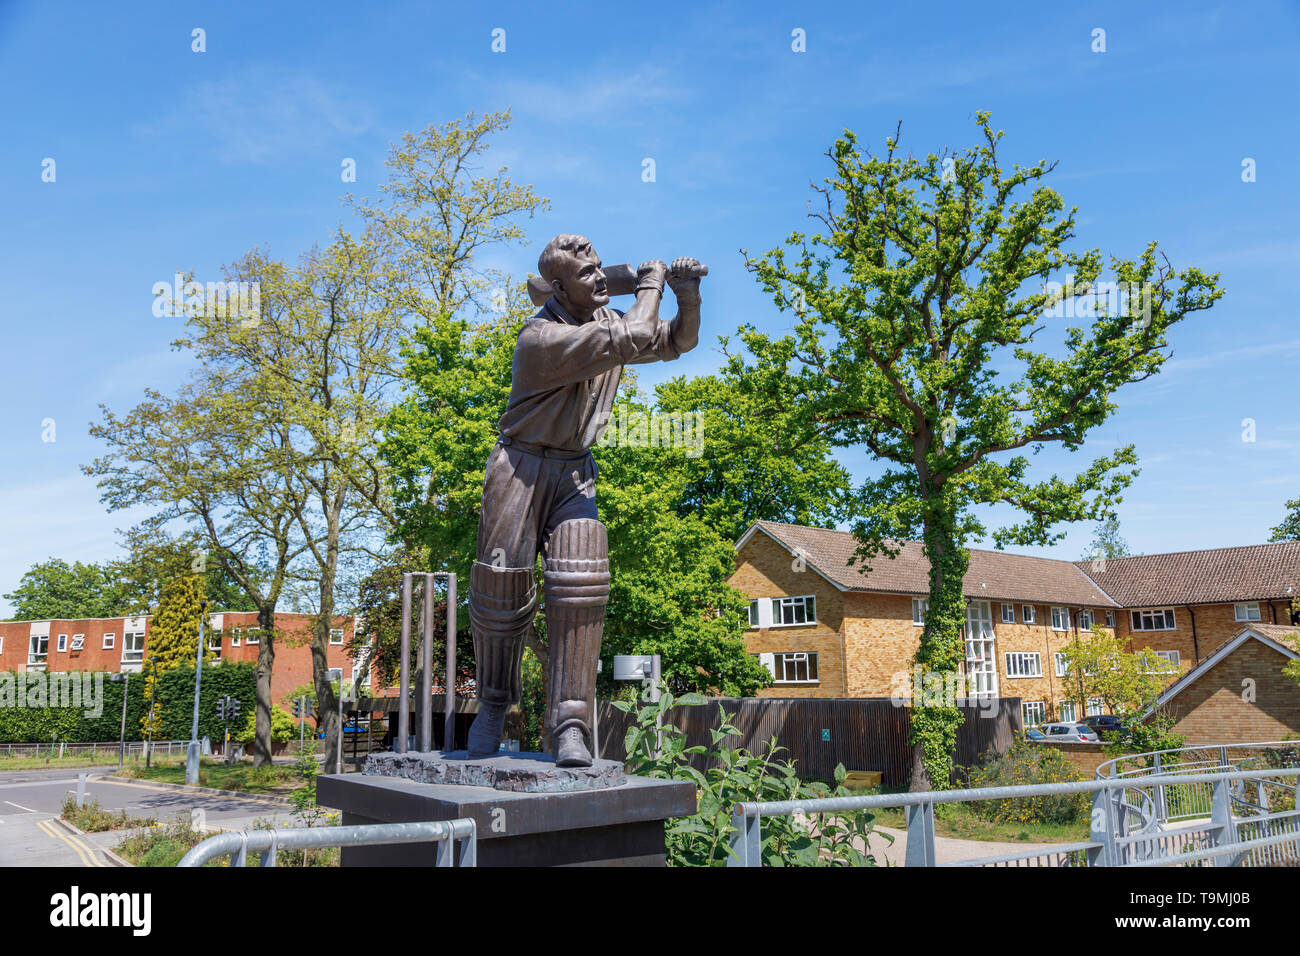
(168, 160)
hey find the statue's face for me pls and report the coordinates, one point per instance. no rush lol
(581, 288)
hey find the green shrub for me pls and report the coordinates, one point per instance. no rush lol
(92, 818)
(1026, 764)
(741, 776)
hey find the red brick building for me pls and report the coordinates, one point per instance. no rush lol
(121, 644)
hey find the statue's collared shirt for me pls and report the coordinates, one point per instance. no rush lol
(565, 373)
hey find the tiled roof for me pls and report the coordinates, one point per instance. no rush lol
(995, 575)
(1213, 576)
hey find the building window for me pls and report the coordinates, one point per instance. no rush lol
(1110, 619)
(1062, 668)
(63, 643)
(1027, 613)
(1066, 708)
(1085, 619)
(1173, 657)
(920, 607)
(1096, 707)
(359, 679)
(1060, 619)
(38, 650)
(1161, 619)
(253, 636)
(789, 611)
(981, 656)
(2, 643)
(1033, 712)
(1008, 614)
(336, 635)
(236, 636)
(133, 647)
(753, 614)
(795, 667)
(110, 641)
(1246, 612)
(1021, 664)
(78, 641)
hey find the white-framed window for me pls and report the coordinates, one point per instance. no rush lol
(1173, 657)
(920, 607)
(236, 636)
(1008, 614)
(1096, 707)
(1246, 612)
(793, 611)
(364, 679)
(63, 643)
(1110, 619)
(1024, 664)
(753, 614)
(1066, 708)
(1060, 619)
(981, 655)
(2, 643)
(1085, 619)
(336, 635)
(1062, 667)
(253, 636)
(791, 667)
(38, 650)
(1027, 613)
(78, 641)
(1033, 712)
(132, 647)
(110, 642)
(1159, 619)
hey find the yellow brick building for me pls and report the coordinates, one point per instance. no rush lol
(825, 627)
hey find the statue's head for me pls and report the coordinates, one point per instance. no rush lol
(572, 269)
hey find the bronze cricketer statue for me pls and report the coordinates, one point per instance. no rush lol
(539, 494)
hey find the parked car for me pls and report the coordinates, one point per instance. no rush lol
(1034, 736)
(1107, 725)
(1071, 733)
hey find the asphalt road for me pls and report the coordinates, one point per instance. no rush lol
(30, 799)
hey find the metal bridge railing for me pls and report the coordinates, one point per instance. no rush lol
(448, 834)
(1125, 826)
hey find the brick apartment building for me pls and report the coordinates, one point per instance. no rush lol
(824, 629)
(121, 644)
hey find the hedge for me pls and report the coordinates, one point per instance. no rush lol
(175, 697)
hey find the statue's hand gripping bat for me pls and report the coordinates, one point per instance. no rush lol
(619, 280)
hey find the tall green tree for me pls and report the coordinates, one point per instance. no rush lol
(54, 589)
(926, 335)
(1106, 542)
(1289, 529)
(174, 632)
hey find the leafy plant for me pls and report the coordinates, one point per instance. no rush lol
(92, 818)
(1023, 765)
(657, 748)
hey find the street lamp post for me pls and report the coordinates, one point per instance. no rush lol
(192, 751)
(153, 694)
(125, 680)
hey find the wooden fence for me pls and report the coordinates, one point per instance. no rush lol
(818, 733)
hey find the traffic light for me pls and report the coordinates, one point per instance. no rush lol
(233, 708)
(297, 707)
(221, 708)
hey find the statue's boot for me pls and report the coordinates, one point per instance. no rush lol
(501, 606)
(577, 590)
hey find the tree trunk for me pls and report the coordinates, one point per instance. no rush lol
(265, 662)
(935, 715)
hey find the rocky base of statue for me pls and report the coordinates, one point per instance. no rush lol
(515, 772)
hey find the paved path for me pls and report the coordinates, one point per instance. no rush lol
(948, 849)
(31, 799)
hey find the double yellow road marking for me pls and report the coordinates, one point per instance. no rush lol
(86, 853)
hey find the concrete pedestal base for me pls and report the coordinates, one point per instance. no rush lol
(618, 826)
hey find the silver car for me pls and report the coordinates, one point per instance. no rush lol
(1070, 733)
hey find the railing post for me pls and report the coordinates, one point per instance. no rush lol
(746, 838)
(469, 846)
(920, 835)
(1221, 815)
(1102, 829)
(1162, 807)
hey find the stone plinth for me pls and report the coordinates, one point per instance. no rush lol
(612, 826)
(517, 772)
